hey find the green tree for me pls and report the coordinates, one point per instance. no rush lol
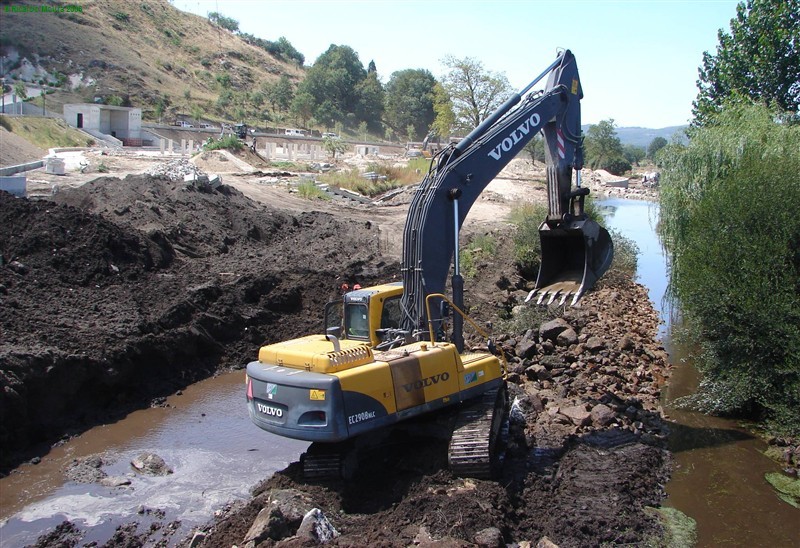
(444, 117)
(288, 51)
(303, 107)
(333, 146)
(409, 102)
(633, 154)
(730, 217)
(655, 145)
(197, 113)
(759, 59)
(370, 105)
(160, 108)
(474, 92)
(332, 83)
(21, 92)
(220, 20)
(604, 149)
(280, 94)
(535, 149)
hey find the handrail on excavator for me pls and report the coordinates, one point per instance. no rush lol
(463, 314)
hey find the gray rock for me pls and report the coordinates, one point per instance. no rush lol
(491, 537)
(538, 372)
(567, 337)
(594, 344)
(545, 542)
(317, 527)
(526, 348)
(550, 330)
(151, 464)
(115, 481)
(577, 414)
(602, 415)
(270, 523)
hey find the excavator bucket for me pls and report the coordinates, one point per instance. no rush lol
(574, 256)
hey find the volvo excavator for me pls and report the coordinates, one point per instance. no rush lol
(395, 353)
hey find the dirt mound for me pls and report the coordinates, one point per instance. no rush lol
(182, 283)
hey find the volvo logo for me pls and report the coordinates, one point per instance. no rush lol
(428, 381)
(515, 136)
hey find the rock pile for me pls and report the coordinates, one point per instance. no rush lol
(595, 368)
(176, 170)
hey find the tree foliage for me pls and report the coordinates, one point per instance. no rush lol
(759, 59)
(409, 102)
(604, 149)
(220, 20)
(474, 92)
(729, 202)
(337, 88)
(444, 117)
(655, 145)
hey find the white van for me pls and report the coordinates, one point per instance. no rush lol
(295, 132)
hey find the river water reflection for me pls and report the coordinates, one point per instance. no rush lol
(205, 436)
(718, 476)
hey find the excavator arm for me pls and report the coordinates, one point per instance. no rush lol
(461, 172)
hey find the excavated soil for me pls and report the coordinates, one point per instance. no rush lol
(121, 291)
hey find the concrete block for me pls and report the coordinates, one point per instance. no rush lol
(16, 185)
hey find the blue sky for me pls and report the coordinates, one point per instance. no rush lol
(638, 59)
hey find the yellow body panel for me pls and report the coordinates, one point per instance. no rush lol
(316, 353)
(373, 380)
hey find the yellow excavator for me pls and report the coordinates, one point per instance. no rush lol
(395, 352)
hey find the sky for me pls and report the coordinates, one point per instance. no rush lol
(637, 59)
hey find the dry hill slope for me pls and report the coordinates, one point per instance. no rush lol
(143, 51)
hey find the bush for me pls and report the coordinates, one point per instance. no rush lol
(229, 142)
(482, 245)
(729, 204)
(310, 191)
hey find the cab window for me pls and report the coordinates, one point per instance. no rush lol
(391, 317)
(356, 321)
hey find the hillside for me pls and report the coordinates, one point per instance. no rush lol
(142, 52)
(640, 136)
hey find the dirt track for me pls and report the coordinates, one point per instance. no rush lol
(121, 291)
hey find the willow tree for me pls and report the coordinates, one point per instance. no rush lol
(729, 202)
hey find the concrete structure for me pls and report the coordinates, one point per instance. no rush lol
(114, 125)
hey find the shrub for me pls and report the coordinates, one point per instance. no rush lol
(729, 202)
(310, 191)
(229, 142)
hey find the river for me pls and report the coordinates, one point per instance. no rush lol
(718, 476)
(204, 435)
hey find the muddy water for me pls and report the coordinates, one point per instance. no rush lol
(718, 477)
(205, 436)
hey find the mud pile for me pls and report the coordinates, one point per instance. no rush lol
(126, 290)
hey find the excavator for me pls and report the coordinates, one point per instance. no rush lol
(395, 353)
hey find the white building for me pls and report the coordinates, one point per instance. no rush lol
(104, 121)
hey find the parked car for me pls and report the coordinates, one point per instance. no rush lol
(182, 123)
(331, 135)
(295, 132)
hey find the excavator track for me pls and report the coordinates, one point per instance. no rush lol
(474, 447)
(327, 461)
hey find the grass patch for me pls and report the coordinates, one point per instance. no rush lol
(680, 531)
(481, 246)
(45, 132)
(386, 177)
(788, 488)
(310, 191)
(229, 142)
